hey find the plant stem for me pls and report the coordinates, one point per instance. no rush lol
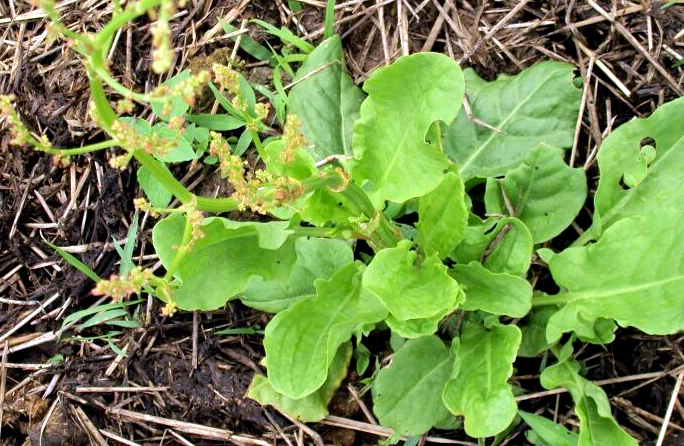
(81, 150)
(558, 299)
(183, 249)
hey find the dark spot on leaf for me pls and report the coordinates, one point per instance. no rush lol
(623, 185)
(648, 141)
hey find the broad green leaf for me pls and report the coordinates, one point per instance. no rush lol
(316, 258)
(301, 341)
(597, 426)
(510, 251)
(539, 105)
(502, 246)
(533, 328)
(178, 105)
(326, 101)
(410, 291)
(313, 407)
(324, 207)
(633, 274)
(222, 262)
(633, 181)
(182, 151)
(416, 328)
(299, 167)
(407, 394)
(443, 217)
(480, 391)
(154, 190)
(502, 294)
(552, 434)
(399, 156)
(219, 123)
(544, 192)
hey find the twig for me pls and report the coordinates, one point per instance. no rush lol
(190, 428)
(360, 426)
(468, 54)
(636, 44)
(3, 377)
(28, 318)
(670, 408)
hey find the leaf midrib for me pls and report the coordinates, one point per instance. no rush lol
(598, 294)
(501, 126)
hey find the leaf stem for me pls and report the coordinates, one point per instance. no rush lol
(183, 249)
(557, 299)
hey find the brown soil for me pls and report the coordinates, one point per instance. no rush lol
(190, 374)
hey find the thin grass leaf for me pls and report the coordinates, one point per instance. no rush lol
(115, 348)
(102, 318)
(286, 36)
(77, 316)
(126, 254)
(73, 261)
(249, 45)
(125, 323)
(225, 103)
(330, 19)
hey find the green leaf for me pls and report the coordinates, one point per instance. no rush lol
(443, 217)
(77, 316)
(502, 294)
(407, 290)
(247, 44)
(222, 262)
(510, 251)
(502, 246)
(417, 328)
(158, 195)
(178, 105)
(326, 101)
(544, 192)
(126, 253)
(302, 166)
(552, 434)
(73, 261)
(301, 341)
(632, 182)
(103, 317)
(313, 407)
(533, 329)
(316, 259)
(407, 394)
(597, 426)
(243, 143)
(399, 158)
(633, 274)
(219, 123)
(286, 36)
(539, 105)
(480, 391)
(324, 207)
